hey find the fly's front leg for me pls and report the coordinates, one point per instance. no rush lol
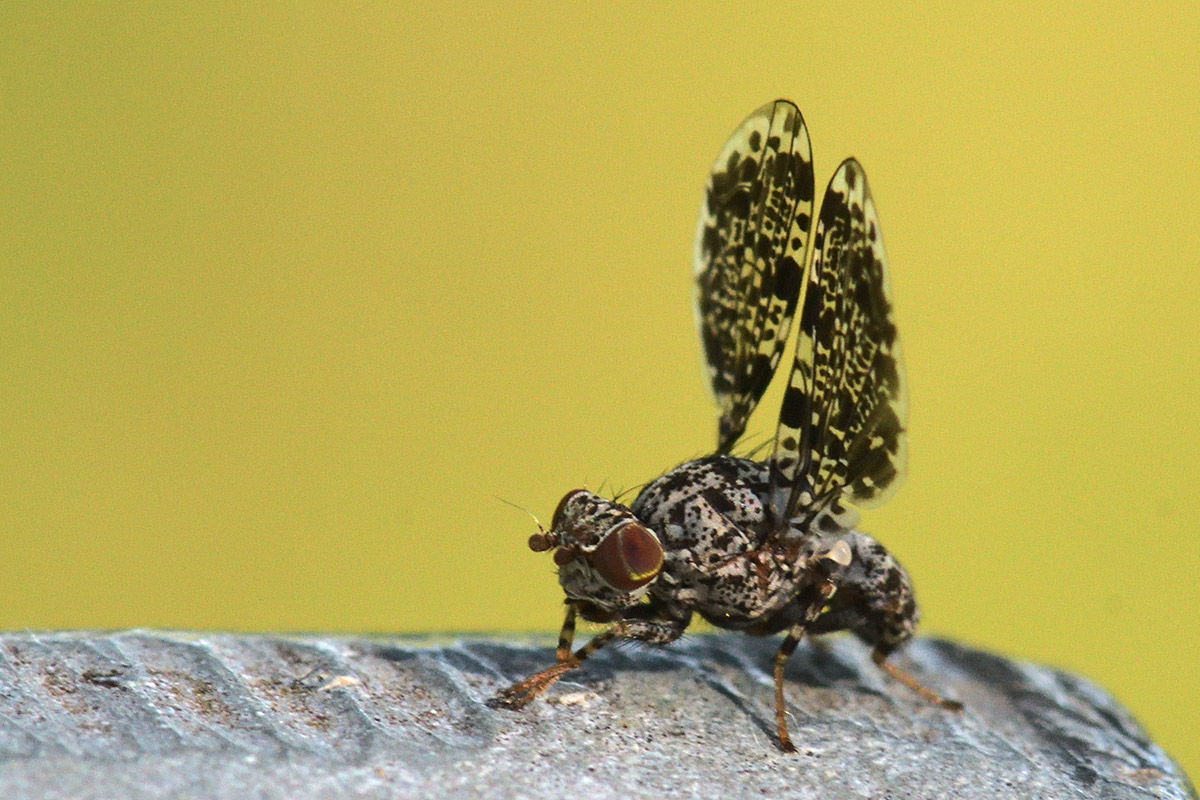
(566, 636)
(649, 630)
(522, 693)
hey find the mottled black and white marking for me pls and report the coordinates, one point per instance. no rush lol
(763, 547)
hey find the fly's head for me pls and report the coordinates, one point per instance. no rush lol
(605, 556)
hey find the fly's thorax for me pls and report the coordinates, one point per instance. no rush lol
(605, 555)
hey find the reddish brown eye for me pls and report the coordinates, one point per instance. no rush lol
(628, 558)
(562, 504)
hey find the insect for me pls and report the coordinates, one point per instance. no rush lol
(771, 546)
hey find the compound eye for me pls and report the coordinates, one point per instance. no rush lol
(556, 520)
(628, 558)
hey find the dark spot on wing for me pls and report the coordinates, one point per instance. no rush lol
(793, 412)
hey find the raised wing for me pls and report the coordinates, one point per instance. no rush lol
(841, 426)
(750, 246)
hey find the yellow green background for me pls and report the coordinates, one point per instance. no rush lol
(289, 296)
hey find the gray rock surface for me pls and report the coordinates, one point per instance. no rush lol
(151, 714)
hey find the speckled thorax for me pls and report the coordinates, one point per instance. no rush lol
(720, 559)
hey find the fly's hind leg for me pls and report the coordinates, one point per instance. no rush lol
(649, 630)
(879, 656)
(875, 600)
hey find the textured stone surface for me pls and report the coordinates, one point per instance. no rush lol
(150, 714)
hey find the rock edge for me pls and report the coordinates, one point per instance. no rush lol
(171, 714)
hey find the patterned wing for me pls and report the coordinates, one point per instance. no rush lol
(841, 426)
(750, 245)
